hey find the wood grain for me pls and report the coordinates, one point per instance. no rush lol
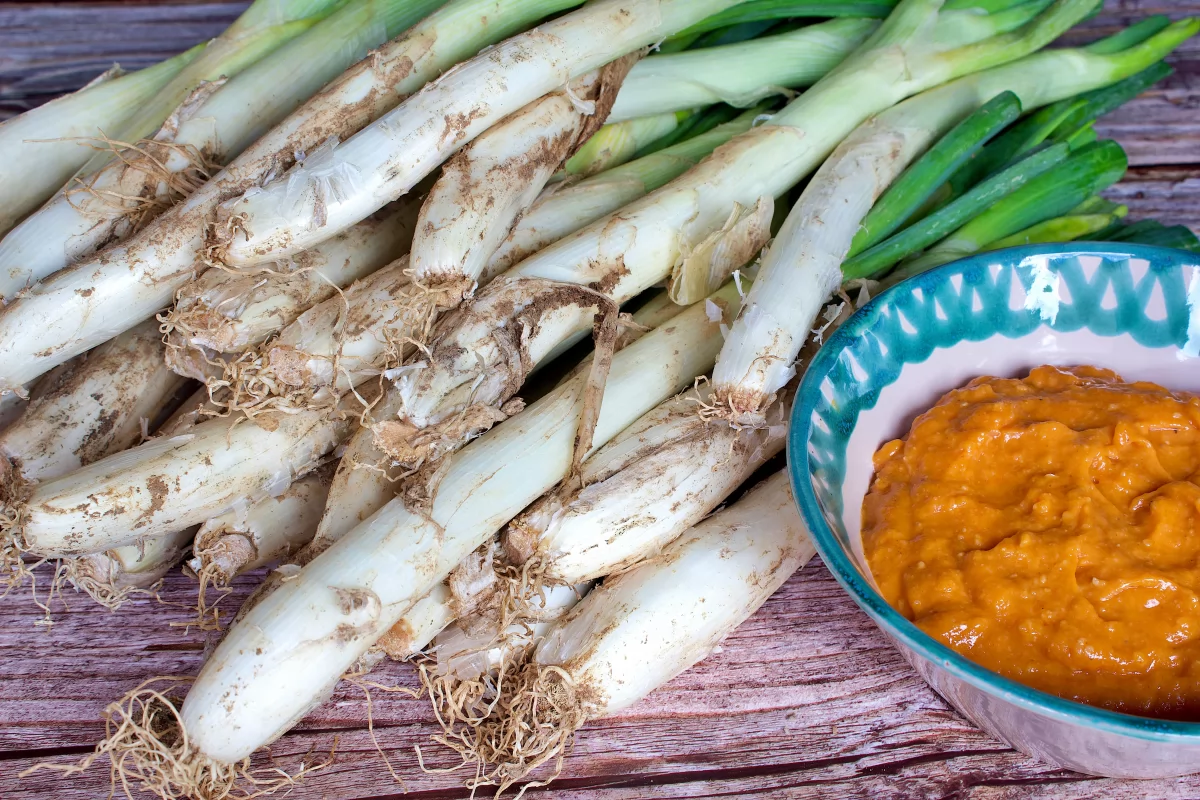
(806, 698)
(47, 48)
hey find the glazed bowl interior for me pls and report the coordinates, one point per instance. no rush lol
(1132, 309)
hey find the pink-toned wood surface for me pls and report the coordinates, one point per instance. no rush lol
(806, 699)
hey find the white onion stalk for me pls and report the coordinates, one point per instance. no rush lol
(112, 577)
(562, 209)
(95, 299)
(227, 312)
(738, 74)
(252, 536)
(486, 186)
(170, 483)
(328, 350)
(803, 266)
(42, 168)
(369, 476)
(468, 212)
(420, 624)
(90, 408)
(616, 143)
(642, 628)
(470, 209)
(383, 161)
(87, 409)
(210, 128)
(483, 358)
(290, 650)
(249, 536)
(659, 477)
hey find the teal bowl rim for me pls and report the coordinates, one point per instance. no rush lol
(844, 568)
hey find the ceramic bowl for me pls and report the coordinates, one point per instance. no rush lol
(1133, 309)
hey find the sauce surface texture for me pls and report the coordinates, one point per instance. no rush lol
(1048, 528)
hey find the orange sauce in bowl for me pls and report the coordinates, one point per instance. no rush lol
(1048, 528)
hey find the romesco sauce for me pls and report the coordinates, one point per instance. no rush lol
(1048, 528)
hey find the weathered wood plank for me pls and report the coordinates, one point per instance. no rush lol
(1168, 194)
(806, 698)
(50, 48)
(806, 695)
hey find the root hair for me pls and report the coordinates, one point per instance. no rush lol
(148, 747)
(510, 724)
(98, 578)
(147, 156)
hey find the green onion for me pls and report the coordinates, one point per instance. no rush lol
(1083, 174)
(1100, 205)
(1060, 229)
(920, 235)
(804, 263)
(919, 181)
(561, 211)
(314, 201)
(127, 193)
(703, 211)
(87, 303)
(1072, 113)
(1134, 34)
(695, 125)
(1149, 231)
(760, 10)
(1102, 101)
(738, 74)
(617, 142)
(261, 29)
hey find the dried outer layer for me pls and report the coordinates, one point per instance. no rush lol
(111, 577)
(645, 626)
(512, 325)
(636, 247)
(171, 483)
(384, 160)
(492, 181)
(339, 343)
(227, 312)
(92, 301)
(93, 406)
(469, 649)
(290, 650)
(249, 536)
(661, 476)
(710, 263)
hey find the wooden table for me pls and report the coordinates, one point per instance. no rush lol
(807, 698)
